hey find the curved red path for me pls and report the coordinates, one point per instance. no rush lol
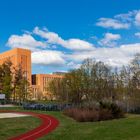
(48, 124)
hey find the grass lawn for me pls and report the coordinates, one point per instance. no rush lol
(16, 126)
(122, 129)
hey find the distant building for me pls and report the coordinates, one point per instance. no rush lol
(39, 82)
(18, 57)
(59, 73)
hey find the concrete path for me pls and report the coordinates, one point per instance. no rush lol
(7, 105)
(11, 115)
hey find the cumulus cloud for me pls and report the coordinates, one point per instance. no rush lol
(126, 17)
(72, 44)
(112, 23)
(50, 36)
(137, 34)
(42, 53)
(47, 57)
(117, 56)
(121, 21)
(77, 49)
(25, 41)
(73, 65)
(109, 40)
(137, 19)
(104, 55)
(77, 44)
(39, 55)
(130, 49)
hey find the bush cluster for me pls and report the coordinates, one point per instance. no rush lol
(106, 111)
(114, 109)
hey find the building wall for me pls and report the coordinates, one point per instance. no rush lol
(40, 84)
(19, 57)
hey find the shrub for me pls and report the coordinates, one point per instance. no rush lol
(116, 111)
(82, 115)
(136, 110)
(105, 114)
(106, 111)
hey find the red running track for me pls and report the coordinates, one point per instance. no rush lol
(48, 124)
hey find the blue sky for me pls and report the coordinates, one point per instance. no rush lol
(62, 33)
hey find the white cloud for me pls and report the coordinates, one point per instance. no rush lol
(72, 44)
(77, 44)
(121, 21)
(53, 58)
(109, 40)
(73, 65)
(80, 49)
(112, 23)
(24, 41)
(39, 55)
(50, 36)
(104, 55)
(126, 17)
(130, 49)
(117, 56)
(137, 34)
(137, 19)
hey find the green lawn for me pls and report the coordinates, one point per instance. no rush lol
(122, 129)
(12, 127)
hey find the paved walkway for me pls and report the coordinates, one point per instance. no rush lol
(7, 105)
(11, 115)
(48, 124)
